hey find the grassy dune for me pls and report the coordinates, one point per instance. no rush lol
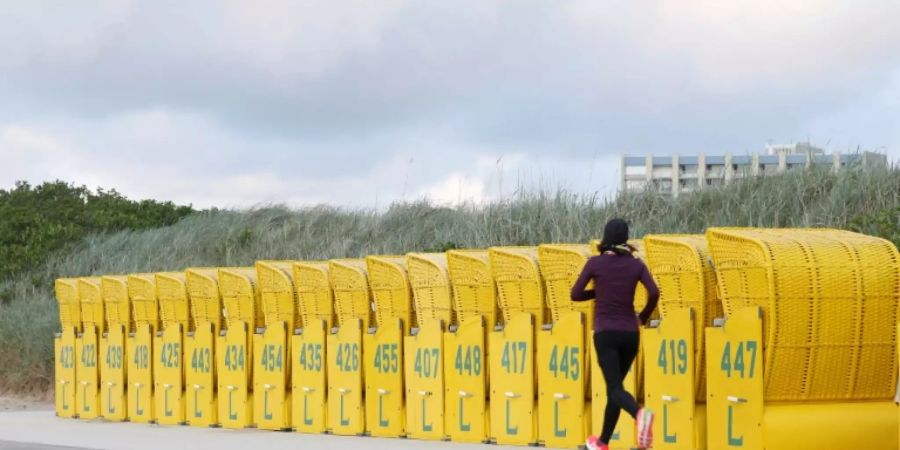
(868, 200)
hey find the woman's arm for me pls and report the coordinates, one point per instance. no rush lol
(652, 295)
(579, 293)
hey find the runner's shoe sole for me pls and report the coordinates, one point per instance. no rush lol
(645, 428)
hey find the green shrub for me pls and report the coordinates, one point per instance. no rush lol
(37, 221)
(885, 223)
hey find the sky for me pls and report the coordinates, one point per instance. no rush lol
(361, 103)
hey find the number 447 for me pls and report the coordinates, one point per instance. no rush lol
(743, 362)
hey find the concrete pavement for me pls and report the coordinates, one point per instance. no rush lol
(6, 445)
(44, 431)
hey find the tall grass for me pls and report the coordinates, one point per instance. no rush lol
(811, 198)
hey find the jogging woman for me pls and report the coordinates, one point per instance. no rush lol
(616, 273)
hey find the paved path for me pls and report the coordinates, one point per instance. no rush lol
(6, 445)
(41, 430)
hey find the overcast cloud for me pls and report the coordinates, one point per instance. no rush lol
(362, 103)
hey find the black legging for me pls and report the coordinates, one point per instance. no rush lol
(616, 351)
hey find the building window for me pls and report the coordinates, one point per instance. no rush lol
(663, 185)
(689, 184)
(768, 169)
(662, 172)
(715, 170)
(742, 171)
(688, 169)
(635, 185)
(636, 170)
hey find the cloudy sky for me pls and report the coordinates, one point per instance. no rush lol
(366, 102)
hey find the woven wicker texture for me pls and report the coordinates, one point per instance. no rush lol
(276, 287)
(474, 291)
(240, 297)
(391, 292)
(829, 300)
(681, 268)
(142, 292)
(205, 298)
(349, 282)
(315, 300)
(519, 285)
(69, 306)
(560, 265)
(91, 301)
(114, 291)
(171, 293)
(430, 281)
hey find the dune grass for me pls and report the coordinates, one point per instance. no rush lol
(810, 198)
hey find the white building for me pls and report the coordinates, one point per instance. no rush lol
(685, 173)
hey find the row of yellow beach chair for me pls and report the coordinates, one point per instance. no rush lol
(763, 336)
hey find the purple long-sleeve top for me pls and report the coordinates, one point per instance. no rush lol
(615, 278)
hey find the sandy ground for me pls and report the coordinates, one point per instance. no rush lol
(39, 429)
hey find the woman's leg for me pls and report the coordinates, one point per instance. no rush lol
(628, 353)
(610, 419)
(610, 371)
(624, 344)
(605, 355)
(615, 354)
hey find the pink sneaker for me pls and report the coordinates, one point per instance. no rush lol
(593, 443)
(645, 428)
